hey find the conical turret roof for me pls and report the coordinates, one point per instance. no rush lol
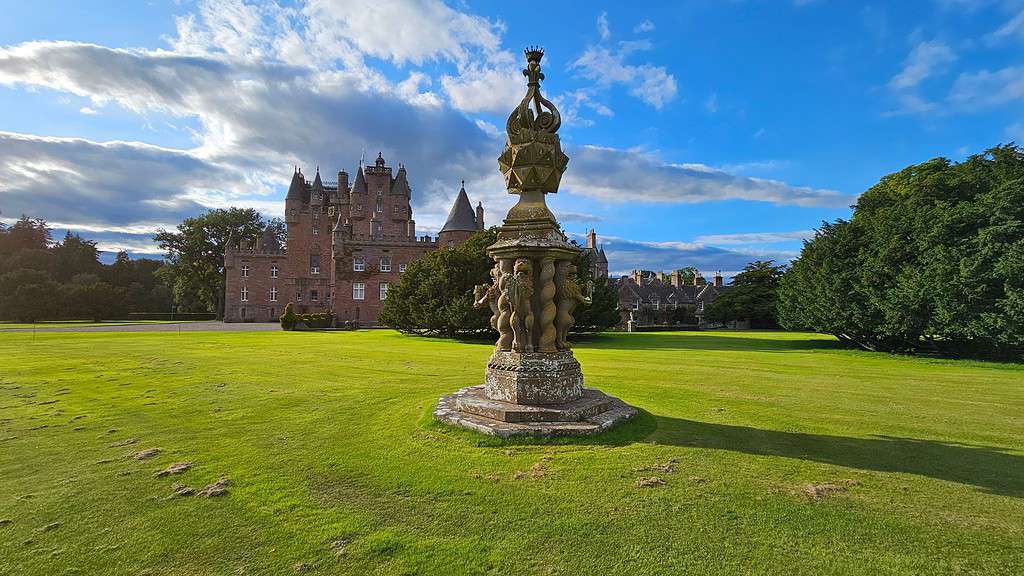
(359, 187)
(401, 183)
(461, 216)
(297, 187)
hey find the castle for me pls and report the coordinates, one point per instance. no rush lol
(346, 246)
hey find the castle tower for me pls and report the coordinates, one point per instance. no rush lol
(479, 216)
(461, 222)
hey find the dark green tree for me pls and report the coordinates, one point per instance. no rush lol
(932, 260)
(752, 295)
(75, 255)
(195, 255)
(25, 234)
(435, 294)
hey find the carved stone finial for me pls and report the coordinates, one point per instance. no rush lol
(533, 158)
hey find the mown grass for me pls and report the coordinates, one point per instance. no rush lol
(84, 323)
(327, 438)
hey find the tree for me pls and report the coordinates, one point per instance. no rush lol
(752, 295)
(25, 234)
(435, 295)
(932, 260)
(687, 275)
(75, 255)
(96, 301)
(195, 254)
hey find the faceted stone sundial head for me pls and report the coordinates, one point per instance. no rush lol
(533, 160)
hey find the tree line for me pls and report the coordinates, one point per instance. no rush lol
(45, 280)
(931, 261)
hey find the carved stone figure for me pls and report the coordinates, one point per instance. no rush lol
(487, 295)
(569, 296)
(519, 291)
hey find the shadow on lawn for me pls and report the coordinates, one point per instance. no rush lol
(988, 468)
(701, 341)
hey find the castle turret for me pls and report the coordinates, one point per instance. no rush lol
(293, 201)
(479, 216)
(359, 186)
(461, 223)
(317, 195)
(401, 183)
(592, 239)
(718, 279)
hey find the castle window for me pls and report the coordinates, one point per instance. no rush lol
(273, 271)
(316, 224)
(383, 290)
(245, 270)
(314, 295)
(385, 263)
(375, 228)
(314, 264)
(401, 267)
(273, 293)
(636, 304)
(358, 264)
(245, 294)
(397, 209)
(358, 291)
(298, 296)
(380, 205)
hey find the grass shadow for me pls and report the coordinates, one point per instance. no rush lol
(703, 341)
(989, 468)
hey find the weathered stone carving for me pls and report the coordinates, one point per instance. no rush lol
(520, 296)
(487, 295)
(532, 384)
(569, 296)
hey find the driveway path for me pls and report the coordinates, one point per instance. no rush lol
(166, 327)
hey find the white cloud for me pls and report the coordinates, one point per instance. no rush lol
(651, 84)
(1014, 28)
(602, 173)
(481, 88)
(602, 26)
(644, 26)
(88, 111)
(400, 30)
(754, 238)
(925, 59)
(984, 88)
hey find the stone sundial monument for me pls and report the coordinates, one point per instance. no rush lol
(533, 385)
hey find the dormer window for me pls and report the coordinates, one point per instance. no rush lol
(385, 263)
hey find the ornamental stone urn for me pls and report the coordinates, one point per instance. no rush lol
(533, 384)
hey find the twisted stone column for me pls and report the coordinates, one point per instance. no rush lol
(548, 333)
(504, 324)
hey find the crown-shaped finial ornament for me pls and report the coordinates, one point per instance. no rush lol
(533, 158)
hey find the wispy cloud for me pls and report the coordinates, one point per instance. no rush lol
(602, 26)
(644, 26)
(606, 67)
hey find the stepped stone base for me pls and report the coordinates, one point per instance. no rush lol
(533, 377)
(592, 412)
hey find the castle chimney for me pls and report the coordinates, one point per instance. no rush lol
(636, 276)
(592, 239)
(696, 278)
(479, 216)
(718, 278)
(675, 279)
(412, 229)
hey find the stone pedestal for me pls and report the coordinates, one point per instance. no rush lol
(533, 377)
(533, 385)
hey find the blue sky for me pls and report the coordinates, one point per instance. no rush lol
(704, 133)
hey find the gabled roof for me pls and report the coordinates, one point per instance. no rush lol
(461, 216)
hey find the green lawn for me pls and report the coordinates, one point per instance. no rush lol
(85, 323)
(327, 437)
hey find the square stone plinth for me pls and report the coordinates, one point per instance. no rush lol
(533, 378)
(593, 412)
